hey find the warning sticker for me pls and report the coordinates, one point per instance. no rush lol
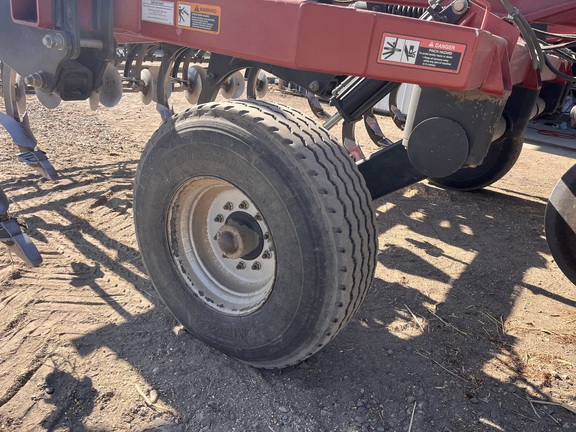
(158, 11)
(199, 17)
(414, 52)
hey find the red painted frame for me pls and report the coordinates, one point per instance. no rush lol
(306, 35)
(338, 40)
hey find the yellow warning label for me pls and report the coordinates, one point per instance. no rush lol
(200, 17)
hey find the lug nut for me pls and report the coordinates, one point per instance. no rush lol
(241, 265)
(256, 266)
(266, 255)
(219, 218)
(228, 206)
(243, 205)
(258, 217)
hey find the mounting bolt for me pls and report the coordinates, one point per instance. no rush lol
(228, 206)
(266, 236)
(56, 41)
(241, 265)
(243, 205)
(37, 79)
(258, 216)
(314, 86)
(460, 6)
(219, 218)
(266, 255)
(256, 266)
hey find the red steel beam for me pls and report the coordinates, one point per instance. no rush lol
(561, 12)
(307, 35)
(334, 39)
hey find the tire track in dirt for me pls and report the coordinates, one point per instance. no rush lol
(93, 308)
(24, 377)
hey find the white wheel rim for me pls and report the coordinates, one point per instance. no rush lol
(233, 286)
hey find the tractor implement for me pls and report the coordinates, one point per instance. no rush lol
(254, 221)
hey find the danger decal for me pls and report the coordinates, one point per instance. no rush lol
(200, 17)
(414, 52)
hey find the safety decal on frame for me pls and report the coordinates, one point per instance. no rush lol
(158, 11)
(200, 17)
(415, 52)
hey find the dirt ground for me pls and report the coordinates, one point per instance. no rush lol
(469, 325)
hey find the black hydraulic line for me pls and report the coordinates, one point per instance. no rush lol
(556, 35)
(566, 54)
(562, 75)
(559, 46)
(532, 42)
(357, 96)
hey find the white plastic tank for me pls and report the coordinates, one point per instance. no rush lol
(402, 99)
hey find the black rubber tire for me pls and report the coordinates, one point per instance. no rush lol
(560, 233)
(500, 159)
(315, 203)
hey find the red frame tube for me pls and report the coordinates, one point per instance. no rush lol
(339, 40)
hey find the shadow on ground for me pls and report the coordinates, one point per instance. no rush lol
(421, 353)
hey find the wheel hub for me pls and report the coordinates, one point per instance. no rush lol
(222, 246)
(237, 241)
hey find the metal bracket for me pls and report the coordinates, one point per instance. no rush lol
(315, 105)
(389, 170)
(17, 131)
(16, 240)
(36, 51)
(221, 66)
(38, 160)
(60, 50)
(35, 158)
(13, 235)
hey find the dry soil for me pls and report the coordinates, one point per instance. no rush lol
(469, 324)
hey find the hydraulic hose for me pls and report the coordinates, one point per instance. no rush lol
(528, 34)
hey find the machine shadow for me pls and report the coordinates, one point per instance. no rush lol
(383, 365)
(87, 201)
(450, 323)
(422, 338)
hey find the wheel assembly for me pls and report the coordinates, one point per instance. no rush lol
(504, 151)
(256, 229)
(500, 159)
(560, 224)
